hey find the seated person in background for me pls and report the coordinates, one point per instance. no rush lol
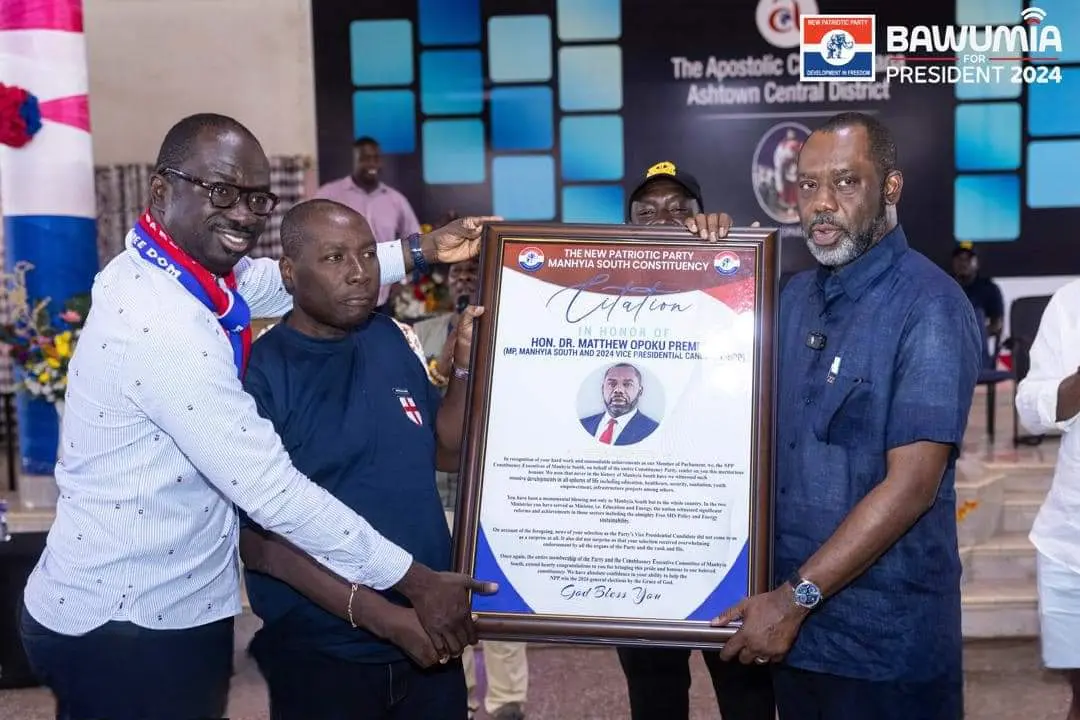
(621, 423)
(348, 393)
(983, 293)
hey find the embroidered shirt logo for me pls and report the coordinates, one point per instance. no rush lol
(411, 411)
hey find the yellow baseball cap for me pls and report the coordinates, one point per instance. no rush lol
(668, 170)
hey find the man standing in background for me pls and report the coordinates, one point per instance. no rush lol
(658, 679)
(387, 211)
(983, 292)
(505, 662)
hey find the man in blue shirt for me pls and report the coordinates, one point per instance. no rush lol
(348, 392)
(879, 354)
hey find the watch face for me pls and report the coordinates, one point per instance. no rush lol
(807, 594)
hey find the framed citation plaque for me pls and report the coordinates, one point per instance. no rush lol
(617, 469)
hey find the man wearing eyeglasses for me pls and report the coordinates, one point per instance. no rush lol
(129, 612)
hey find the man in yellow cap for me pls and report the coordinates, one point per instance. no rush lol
(658, 679)
(983, 292)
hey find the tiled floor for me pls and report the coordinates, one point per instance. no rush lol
(1004, 678)
(977, 442)
(1004, 682)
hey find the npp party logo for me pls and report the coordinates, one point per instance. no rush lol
(837, 48)
(531, 259)
(726, 263)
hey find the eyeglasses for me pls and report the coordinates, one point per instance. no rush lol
(226, 195)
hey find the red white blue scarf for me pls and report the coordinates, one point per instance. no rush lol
(157, 248)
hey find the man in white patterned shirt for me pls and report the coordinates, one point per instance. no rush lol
(129, 612)
(1048, 400)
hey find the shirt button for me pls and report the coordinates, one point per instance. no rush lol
(792, 444)
(807, 400)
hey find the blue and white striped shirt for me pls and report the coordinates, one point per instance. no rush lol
(159, 441)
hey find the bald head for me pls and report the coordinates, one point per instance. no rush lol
(880, 145)
(311, 218)
(180, 142)
(330, 266)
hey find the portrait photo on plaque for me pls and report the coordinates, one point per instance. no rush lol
(615, 408)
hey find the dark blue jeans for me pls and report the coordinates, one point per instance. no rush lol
(803, 695)
(306, 684)
(122, 671)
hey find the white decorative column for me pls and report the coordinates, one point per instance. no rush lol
(47, 180)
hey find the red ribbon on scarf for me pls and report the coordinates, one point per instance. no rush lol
(222, 302)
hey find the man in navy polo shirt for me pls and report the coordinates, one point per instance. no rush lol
(879, 354)
(348, 392)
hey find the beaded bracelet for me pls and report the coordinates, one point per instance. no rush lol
(437, 378)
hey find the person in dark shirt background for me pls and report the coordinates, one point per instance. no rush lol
(349, 395)
(983, 293)
(658, 679)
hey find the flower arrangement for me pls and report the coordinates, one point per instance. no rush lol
(40, 350)
(415, 300)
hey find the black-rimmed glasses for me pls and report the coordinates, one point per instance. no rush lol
(226, 195)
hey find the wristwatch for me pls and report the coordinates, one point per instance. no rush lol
(807, 594)
(420, 263)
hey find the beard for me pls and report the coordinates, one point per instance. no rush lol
(620, 406)
(851, 243)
